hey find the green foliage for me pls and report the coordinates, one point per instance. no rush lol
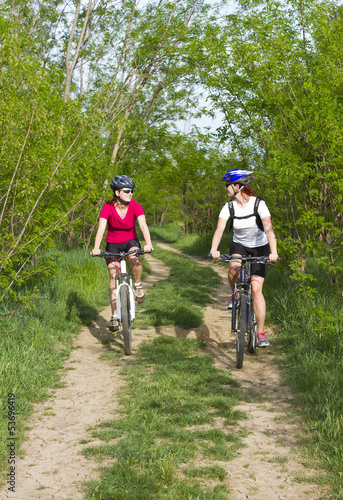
(273, 69)
(185, 172)
(171, 392)
(85, 94)
(41, 186)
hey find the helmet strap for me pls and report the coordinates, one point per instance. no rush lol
(238, 190)
(122, 201)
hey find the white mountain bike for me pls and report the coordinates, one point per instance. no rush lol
(126, 305)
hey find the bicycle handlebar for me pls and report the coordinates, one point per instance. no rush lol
(260, 260)
(122, 255)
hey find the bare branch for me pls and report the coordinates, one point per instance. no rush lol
(17, 166)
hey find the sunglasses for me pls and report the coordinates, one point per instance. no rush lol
(228, 184)
(127, 191)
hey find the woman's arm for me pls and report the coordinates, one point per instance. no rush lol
(268, 227)
(99, 236)
(146, 233)
(217, 237)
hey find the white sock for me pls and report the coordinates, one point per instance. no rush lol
(138, 284)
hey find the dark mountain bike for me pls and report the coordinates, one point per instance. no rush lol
(126, 305)
(243, 319)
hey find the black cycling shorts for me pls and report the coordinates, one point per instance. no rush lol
(121, 247)
(256, 269)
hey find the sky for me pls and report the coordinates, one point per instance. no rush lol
(228, 7)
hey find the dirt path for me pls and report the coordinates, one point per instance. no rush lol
(52, 467)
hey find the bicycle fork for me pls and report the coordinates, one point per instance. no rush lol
(238, 290)
(127, 282)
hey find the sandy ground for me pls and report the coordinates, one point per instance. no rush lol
(51, 466)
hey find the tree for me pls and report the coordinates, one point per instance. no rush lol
(85, 85)
(274, 69)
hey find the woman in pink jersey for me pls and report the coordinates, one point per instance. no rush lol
(119, 215)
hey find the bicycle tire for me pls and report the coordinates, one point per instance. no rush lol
(241, 329)
(252, 340)
(126, 319)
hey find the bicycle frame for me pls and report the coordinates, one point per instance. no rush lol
(243, 286)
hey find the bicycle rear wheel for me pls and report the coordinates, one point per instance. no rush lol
(252, 335)
(126, 319)
(241, 329)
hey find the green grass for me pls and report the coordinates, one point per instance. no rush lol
(165, 443)
(35, 342)
(173, 398)
(310, 352)
(194, 244)
(178, 301)
(167, 234)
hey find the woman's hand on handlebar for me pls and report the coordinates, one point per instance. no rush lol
(215, 254)
(148, 248)
(273, 257)
(96, 251)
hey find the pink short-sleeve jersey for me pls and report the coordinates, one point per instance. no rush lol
(121, 230)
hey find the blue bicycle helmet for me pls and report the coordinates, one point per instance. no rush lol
(122, 181)
(238, 176)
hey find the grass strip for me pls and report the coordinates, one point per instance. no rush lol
(165, 443)
(178, 301)
(309, 347)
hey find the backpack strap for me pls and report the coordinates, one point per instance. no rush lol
(232, 214)
(256, 214)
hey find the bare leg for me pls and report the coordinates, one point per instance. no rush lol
(113, 270)
(259, 302)
(136, 266)
(233, 276)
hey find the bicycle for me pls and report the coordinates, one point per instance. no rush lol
(243, 320)
(126, 305)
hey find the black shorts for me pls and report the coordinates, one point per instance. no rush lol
(256, 269)
(121, 247)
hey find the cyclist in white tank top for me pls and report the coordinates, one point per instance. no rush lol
(248, 238)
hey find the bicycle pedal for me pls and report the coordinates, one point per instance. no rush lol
(114, 329)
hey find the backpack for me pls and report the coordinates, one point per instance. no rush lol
(255, 214)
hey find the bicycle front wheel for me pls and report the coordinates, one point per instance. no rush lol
(126, 319)
(241, 329)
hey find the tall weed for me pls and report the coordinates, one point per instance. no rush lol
(310, 349)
